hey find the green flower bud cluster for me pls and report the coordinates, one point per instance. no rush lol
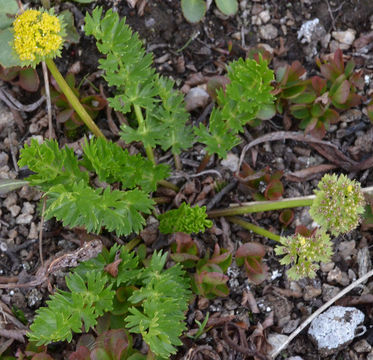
(303, 252)
(338, 204)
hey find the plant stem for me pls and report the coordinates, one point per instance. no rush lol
(72, 99)
(161, 200)
(168, 185)
(259, 206)
(133, 243)
(257, 229)
(141, 123)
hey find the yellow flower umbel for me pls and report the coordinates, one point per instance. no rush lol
(38, 35)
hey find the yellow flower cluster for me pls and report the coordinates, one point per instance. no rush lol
(37, 35)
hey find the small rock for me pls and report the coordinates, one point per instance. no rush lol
(328, 292)
(265, 16)
(10, 200)
(268, 32)
(24, 219)
(30, 193)
(326, 267)
(28, 208)
(370, 355)
(335, 275)
(290, 326)
(351, 115)
(6, 118)
(3, 158)
(311, 292)
(294, 358)
(364, 261)
(34, 298)
(33, 233)
(196, 97)
(345, 37)
(347, 249)
(14, 210)
(335, 328)
(231, 162)
(276, 340)
(362, 346)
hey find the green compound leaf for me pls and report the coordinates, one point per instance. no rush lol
(128, 67)
(80, 205)
(164, 298)
(217, 138)
(113, 164)
(51, 164)
(184, 219)
(227, 7)
(193, 10)
(68, 312)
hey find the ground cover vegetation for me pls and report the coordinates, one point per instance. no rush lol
(122, 291)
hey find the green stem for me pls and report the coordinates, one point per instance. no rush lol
(133, 243)
(161, 200)
(168, 185)
(72, 99)
(257, 229)
(259, 206)
(141, 123)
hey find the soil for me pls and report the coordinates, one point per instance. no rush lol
(187, 52)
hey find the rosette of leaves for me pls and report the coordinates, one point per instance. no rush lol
(263, 184)
(27, 78)
(71, 198)
(157, 303)
(210, 279)
(194, 10)
(159, 115)
(251, 255)
(184, 250)
(67, 114)
(303, 251)
(185, 219)
(246, 99)
(338, 205)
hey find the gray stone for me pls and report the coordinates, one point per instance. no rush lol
(335, 328)
(345, 37)
(311, 292)
(347, 249)
(362, 346)
(276, 340)
(335, 275)
(197, 97)
(24, 219)
(268, 32)
(329, 291)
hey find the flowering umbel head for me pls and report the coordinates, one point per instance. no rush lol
(38, 35)
(338, 204)
(304, 252)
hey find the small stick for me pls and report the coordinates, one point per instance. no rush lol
(48, 95)
(319, 311)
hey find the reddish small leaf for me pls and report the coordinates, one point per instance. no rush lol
(250, 249)
(216, 83)
(286, 217)
(274, 190)
(29, 79)
(64, 115)
(82, 353)
(112, 268)
(341, 93)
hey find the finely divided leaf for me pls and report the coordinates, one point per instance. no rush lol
(68, 312)
(51, 164)
(80, 205)
(113, 164)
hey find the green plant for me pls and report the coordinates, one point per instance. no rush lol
(246, 99)
(35, 36)
(185, 219)
(337, 207)
(304, 251)
(160, 115)
(27, 78)
(263, 184)
(251, 255)
(157, 303)
(209, 279)
(194, 10)
(70, 197)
